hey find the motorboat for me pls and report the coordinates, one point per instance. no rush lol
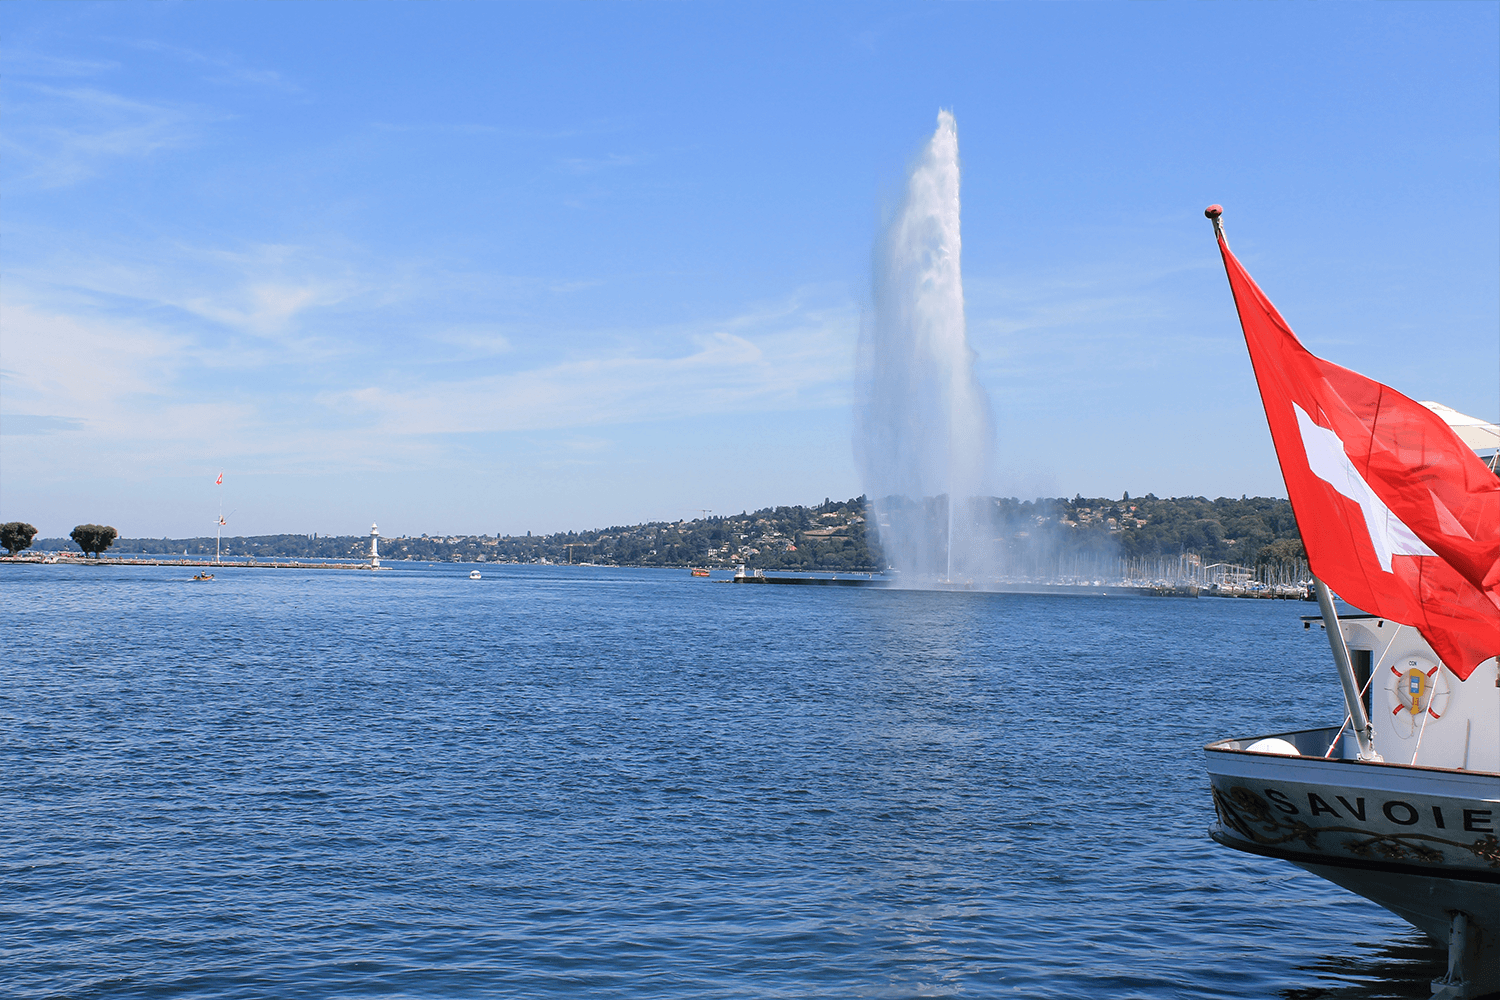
(1401, 517)
(474, 574)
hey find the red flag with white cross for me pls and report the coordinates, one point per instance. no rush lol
(1398, 515)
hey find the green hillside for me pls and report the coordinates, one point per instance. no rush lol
(832, 536)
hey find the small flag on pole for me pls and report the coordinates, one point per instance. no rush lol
(220, 480)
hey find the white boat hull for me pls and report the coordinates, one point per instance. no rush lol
(1423, 842)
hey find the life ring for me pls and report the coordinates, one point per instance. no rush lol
(1420, 686)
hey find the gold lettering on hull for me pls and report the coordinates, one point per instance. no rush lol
(1273, 816)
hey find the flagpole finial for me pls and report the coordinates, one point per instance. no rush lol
(1213, 214)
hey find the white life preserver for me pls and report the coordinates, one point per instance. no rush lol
(1419, 686)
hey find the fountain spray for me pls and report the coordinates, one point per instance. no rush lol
(925, 435)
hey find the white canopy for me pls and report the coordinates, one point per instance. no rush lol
(1481, 435)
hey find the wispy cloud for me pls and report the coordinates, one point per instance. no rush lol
(801, 358)
(480, 341)
(1097, 317)
(1066, 296)
(132, 396)
(57, 136)
(259, 291)
(594, 164)
(16, 424)
(223, 68)
(581, 130)
(22, 63)
(95, 371)
(268, 287)
(299, 358)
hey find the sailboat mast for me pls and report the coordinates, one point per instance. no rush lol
(948, 577)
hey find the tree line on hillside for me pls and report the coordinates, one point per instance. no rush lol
(1098, 538)
(1252, 531)
(827, 537)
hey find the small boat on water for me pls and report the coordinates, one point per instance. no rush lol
(474, 574)
(1401, 803)
(700, 572)
(203, 576)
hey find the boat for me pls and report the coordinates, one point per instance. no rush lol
(700, 572)
(474, 574)
(203, 576)
(1400, 803)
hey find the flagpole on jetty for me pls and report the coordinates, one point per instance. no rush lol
(219, 528)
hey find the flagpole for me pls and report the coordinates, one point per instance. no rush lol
(1213, 213)
(1364, 733)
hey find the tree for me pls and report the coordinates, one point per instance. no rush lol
(1282, 551)
(16, 535)
(94, 538)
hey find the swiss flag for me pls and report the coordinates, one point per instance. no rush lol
(1397, 514)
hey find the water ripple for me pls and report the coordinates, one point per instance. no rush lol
(603, 784)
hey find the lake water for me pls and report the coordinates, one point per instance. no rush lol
(579, 782)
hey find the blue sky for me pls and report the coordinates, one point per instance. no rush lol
(503, 267)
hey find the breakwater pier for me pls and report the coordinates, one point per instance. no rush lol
(994, 587)
(68, 559)
(813, 581)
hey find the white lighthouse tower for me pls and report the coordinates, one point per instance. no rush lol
(374, 547)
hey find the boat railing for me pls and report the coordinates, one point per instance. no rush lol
(1330, 742)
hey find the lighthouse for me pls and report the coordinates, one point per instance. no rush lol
(374, 547)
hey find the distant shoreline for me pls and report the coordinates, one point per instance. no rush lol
(1148, 537)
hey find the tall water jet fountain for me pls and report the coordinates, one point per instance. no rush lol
(924, 434)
